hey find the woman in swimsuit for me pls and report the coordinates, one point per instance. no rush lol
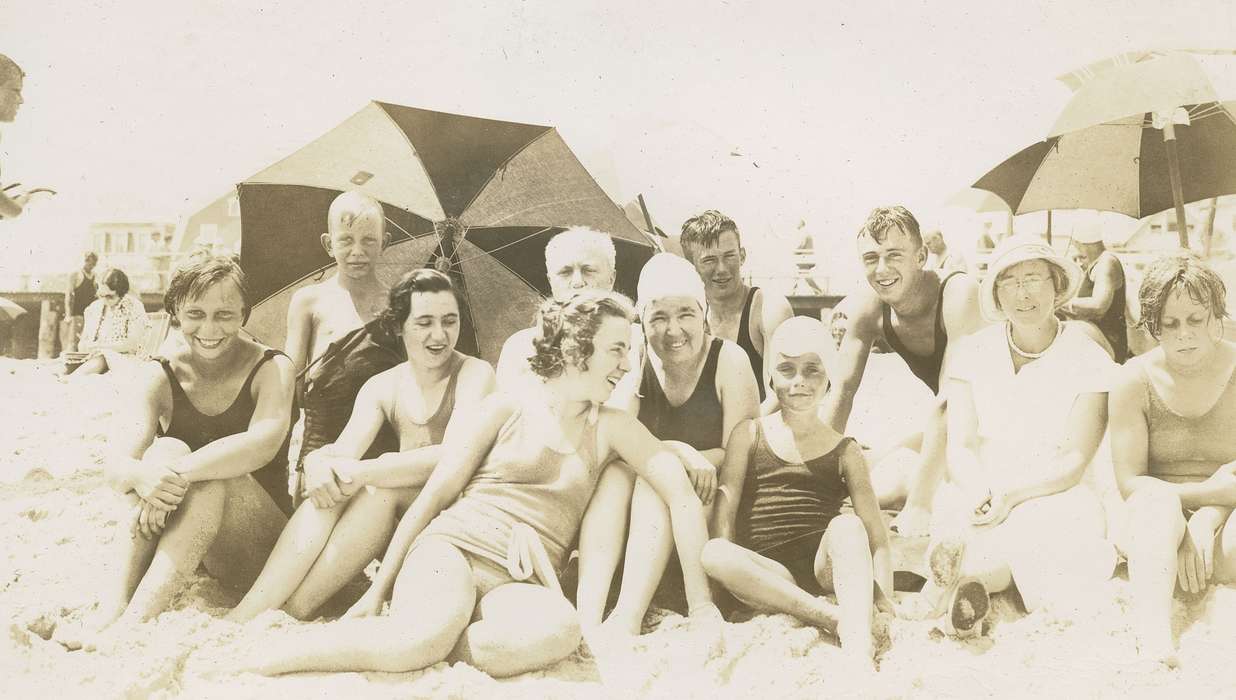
(1173, 412)
(207, 471)
(1027, 408)
(695, 388)
(354, 503)
(501, 509)
(782, 541)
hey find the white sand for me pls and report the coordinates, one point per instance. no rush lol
(59, 522)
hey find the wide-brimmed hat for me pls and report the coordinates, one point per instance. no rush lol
(1018, 249)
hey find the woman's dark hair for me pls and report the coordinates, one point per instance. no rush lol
(200, 272)
(1175, 272)
(565, 330)
(399, 303)
(117, 281)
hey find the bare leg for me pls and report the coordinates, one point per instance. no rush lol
(602, 536)
(432, 604)
(843, 564)
(1225, 552)
(523, 627)
(648, 551)
(295, 552)
(764, 584)
(1156, 528)
(94, 365)
(360, 537)
(190, 532)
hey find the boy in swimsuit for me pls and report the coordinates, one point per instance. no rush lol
(781, 540)
(355, 502)
(918, 312)
(739, 313)
(329, 311)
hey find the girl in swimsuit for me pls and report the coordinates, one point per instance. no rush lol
(781, 540)
(207, 470)
(354, 503)
(501, 508)
(1172, 414)
(695, 389)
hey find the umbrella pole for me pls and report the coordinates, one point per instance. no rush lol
(652, 230)
(1173, 170)
(1049, 227)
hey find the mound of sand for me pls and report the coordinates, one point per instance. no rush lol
(61, 523)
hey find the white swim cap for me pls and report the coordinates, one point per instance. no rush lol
(667, 275)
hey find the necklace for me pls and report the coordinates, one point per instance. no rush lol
(1008, 332)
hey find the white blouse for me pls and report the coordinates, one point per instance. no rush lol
(1023, 416)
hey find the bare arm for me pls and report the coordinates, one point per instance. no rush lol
(662, 470)
(462, 453)
(1087, 423)
(736, 389)
(1107, 277)
(11, 207)
(863, 310)
(248, 451)
(513, 369)
(413, 467)
(964, 468)
(961, 318)
(300, 329)
(75, 278)
(130, 445)
(733, 478)
(774, 310)
(862, 495)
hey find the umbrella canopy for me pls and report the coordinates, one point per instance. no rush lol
(478, 198)
(1142, 134)
(10, 310)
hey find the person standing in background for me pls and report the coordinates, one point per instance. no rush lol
(79, 294)
(1101, 299)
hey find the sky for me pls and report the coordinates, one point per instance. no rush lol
(778, 114)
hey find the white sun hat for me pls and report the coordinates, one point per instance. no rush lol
(1018, 249)
(667, 275)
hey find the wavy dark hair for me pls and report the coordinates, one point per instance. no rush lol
(399, 302)
(565, 329)
(881, 220)
(199, 272)
(704, 230)
(1175, 272)
(117, 281)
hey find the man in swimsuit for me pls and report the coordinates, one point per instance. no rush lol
(917, 312)
(332, 354)
(77, 297)
(712, 244)
(1101, 298)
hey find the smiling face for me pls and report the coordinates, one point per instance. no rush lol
(571, 271)
(720, 266)
(1188, 331)
(1027, 293)
(606, 366)
(211, 322)
(799, 381)
(675, 328)
(893, 266)
(432, 328)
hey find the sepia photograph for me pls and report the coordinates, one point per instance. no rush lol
(706, 349)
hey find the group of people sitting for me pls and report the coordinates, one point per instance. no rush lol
(695, 440)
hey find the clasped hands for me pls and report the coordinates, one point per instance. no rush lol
(330, 479)
(160, 490)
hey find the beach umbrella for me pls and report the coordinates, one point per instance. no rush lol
(1143, 133)
(10, 310)
(477, 198)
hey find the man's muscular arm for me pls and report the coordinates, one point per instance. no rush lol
(862, 310)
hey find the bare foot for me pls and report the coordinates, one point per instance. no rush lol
(1157, 648)
(708, 628)
(84, 633)
(912, 521)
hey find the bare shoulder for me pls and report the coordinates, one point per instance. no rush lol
(961, 305)
(153, 386)
(475, 372)
(774, 307)
(861, 310)
(731, 357)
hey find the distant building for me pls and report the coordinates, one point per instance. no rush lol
(215, 226)
(143, 249)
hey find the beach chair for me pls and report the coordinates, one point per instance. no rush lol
(160, 321)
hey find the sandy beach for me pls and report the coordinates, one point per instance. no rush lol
(61, 523)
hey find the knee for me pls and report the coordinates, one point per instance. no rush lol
(846, 530)
(166, 448)
(1155, 507)
(716, 556)
(204, 502)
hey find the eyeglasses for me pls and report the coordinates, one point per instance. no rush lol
(108, 295)
(1032, 285)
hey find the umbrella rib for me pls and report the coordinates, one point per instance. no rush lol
(506, 245)
(501, 169)
(544, 205)
(504, 265)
